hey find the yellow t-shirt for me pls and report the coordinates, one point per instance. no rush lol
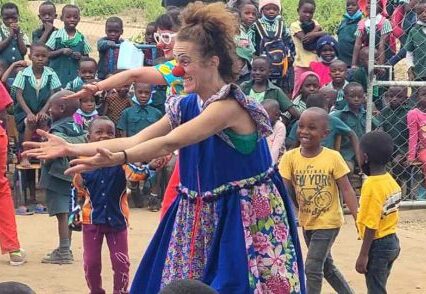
(303, 57)
(379, 203)
(314, 182)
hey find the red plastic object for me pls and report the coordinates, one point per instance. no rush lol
(178, 71)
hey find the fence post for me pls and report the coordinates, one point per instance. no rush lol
(371, 60)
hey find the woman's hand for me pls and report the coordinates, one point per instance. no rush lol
(87, 91)
(159, 162)
(53, 147)
(103, 158)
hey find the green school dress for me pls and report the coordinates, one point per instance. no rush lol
(11, 53)
(65, 66)
(35, 101)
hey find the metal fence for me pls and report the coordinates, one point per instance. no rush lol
(393, 94)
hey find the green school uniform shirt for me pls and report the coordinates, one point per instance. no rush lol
(19, 81)
(52, 172)
(272, 92)
(394, 122)
(11, 53)
(63, 35)
(336, 126)
(136, 118)
(65, 66)
(346, 38)
(36, 34)
(35, 92)
(416, 44)
(357, 123)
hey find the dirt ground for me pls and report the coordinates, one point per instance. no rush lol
(38, 237)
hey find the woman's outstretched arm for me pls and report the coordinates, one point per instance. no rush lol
(149, 75)
(216, 117)
(57, 147)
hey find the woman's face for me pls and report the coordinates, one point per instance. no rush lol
(198, 71)
(165, 41)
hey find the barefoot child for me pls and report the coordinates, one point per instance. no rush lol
(105, 212)
(13, 41)
(47, 15)
(378, 213)
(56, 184)
(68, 45)
(316, 174)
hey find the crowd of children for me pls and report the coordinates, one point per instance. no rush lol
(319, 134)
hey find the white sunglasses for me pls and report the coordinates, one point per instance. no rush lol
(165, 38)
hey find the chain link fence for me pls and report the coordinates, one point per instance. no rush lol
(396, 96)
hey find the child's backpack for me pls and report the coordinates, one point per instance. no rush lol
(275, 50)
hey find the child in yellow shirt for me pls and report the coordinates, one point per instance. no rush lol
(314, 175)
(378, 212)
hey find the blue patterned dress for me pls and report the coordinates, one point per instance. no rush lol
(231, 225)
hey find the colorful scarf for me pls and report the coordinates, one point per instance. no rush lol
(78, 37)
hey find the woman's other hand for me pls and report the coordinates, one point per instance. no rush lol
(52, 147)
(104, 158)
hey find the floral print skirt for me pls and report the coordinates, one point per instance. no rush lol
(259, 219)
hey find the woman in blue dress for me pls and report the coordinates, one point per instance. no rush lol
(231, 225)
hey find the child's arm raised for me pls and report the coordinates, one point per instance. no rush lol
(5, 42)
(362, 261)
(10, 69)
(348, 194)
(22, 44)
(48, 28)
(104, 44)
